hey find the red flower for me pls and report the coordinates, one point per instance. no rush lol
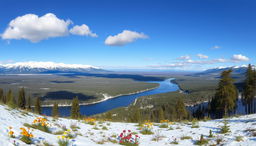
(129, 130)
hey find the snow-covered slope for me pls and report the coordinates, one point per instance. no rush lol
(90, 135)
(45, 67)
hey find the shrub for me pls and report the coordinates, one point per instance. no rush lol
(201, 141)
(60, 132)
(175, 141)
(239, 138)
(210, 133)
(219, 140)
(185, 137)
(195, 124)
(225, 128)
(104, 128)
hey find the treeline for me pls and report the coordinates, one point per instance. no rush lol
(26, 103)
(21, 102)
(250, 90)
(223, 103)
(135, 114)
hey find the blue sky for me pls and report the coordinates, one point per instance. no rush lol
(159, 34)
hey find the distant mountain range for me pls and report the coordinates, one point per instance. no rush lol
(237, 71)
(46, 67)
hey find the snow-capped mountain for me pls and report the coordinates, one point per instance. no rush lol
(216, 71)
(45, 67)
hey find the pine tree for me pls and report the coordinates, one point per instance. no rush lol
(161, 114)
(181, 109)
(22, 99)
(11, 100)
(29, 103)
(135, 115)
(75, 109)
(4, 99)
(55, 110)
(38, 106)
(8, 96)
(224, 100)
(108, 116)
(249, 90)
(1, 94)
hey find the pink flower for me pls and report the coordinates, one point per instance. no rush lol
(124, 131)
(129, 130)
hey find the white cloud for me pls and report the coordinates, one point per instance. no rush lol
(124, 38)
(35, 28)
(201, 56)
(215, 47)
(186, 57)
(220, 60)
(172, 65)
(83, 30)
(239, 57)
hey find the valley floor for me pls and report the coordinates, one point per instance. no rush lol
(242, 131)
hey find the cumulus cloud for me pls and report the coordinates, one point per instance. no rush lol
(201, 56)
(83, 30)
(124, 38)
(239, 57)
(35, 28)
(186, 57)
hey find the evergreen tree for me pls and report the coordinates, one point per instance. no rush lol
(161, 114)
(29, 103)
(11, 100)
(181, 109)
(108, 116)
(1, 94)
(4, 99)
(249, 90)
(135, 115)
(75, 109)
(22, 99)
(225, 98)
(38, 106)
(55, 110)
(8, 96)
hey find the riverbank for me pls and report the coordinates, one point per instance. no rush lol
(106, 97)
(110, 103)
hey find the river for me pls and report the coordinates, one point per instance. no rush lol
(120, 101)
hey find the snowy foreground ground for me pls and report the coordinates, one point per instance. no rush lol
(90, 135)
